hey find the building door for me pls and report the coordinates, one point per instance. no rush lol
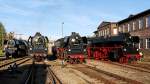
(148, 43)
(141, 44)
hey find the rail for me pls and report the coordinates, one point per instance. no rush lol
(6, 64)
(30, 79)
(53, 77)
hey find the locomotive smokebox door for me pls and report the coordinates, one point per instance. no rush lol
(135, 39)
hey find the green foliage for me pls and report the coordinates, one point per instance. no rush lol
(1, 53)
(2, 35)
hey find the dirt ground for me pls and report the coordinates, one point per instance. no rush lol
(146, 53)
(122, 71)
(67, 75)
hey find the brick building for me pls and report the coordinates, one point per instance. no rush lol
(106, 29)
(137, 25)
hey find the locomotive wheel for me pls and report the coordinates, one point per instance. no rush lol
(19, 53)
(96, 55)
(7, 55)
(132, 60)
(76, 61)
(71, 61)
(113, 56)
(24, 53)
(14, 55)
(121, 60)
(126, 60)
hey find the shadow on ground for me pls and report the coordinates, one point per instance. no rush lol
(51, 57)
(19, 75)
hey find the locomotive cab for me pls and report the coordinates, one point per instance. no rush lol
(16, 48)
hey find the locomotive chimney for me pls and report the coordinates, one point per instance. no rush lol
(73, 33)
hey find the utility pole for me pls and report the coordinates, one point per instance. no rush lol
(62, 29)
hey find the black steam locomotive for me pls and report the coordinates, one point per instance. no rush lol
(71, 48)
(16, 48)
(38, 46)
(121, 48)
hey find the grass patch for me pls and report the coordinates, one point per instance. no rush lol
(1, 53)
(146, 53)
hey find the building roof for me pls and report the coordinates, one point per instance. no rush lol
(95, 32)
(105, 23)
(131, 17)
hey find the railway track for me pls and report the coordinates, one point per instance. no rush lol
(51, 76)
(32, 76)
(104, 76)
(3, 58)
(17, 61)
(138, 67)
(142, 65)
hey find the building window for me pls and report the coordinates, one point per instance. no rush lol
(129, 29)
(108, 31)
(148, 43)
(115, 31)
(123, 28)
(133, 26)
(148, 21)
(119, 29)
(141, 23)
(105, 32)
(99, 33)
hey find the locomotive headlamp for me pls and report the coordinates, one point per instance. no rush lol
(31, 54)
(76, 37)
(30, 48)
(45, 48)
(124, 49)
(141, 53)
(36, 39)
(84, 50)
(137, 49)
(73, 40)
(69, 50)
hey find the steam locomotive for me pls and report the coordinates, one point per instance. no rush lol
(16, 48)
(71, 48)
(38, 46)
(121, 48)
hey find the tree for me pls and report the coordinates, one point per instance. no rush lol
(2, 35)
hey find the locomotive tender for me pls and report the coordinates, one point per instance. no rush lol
(71, 48)
(38, 46)
(121, 48)
(16, 48)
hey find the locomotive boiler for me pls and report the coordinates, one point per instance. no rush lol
(16, 48)
(38, 46)
(71, 48)
(121, 48)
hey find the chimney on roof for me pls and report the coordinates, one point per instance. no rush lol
(130, 16)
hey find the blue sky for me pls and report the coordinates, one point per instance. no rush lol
(82, 16)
